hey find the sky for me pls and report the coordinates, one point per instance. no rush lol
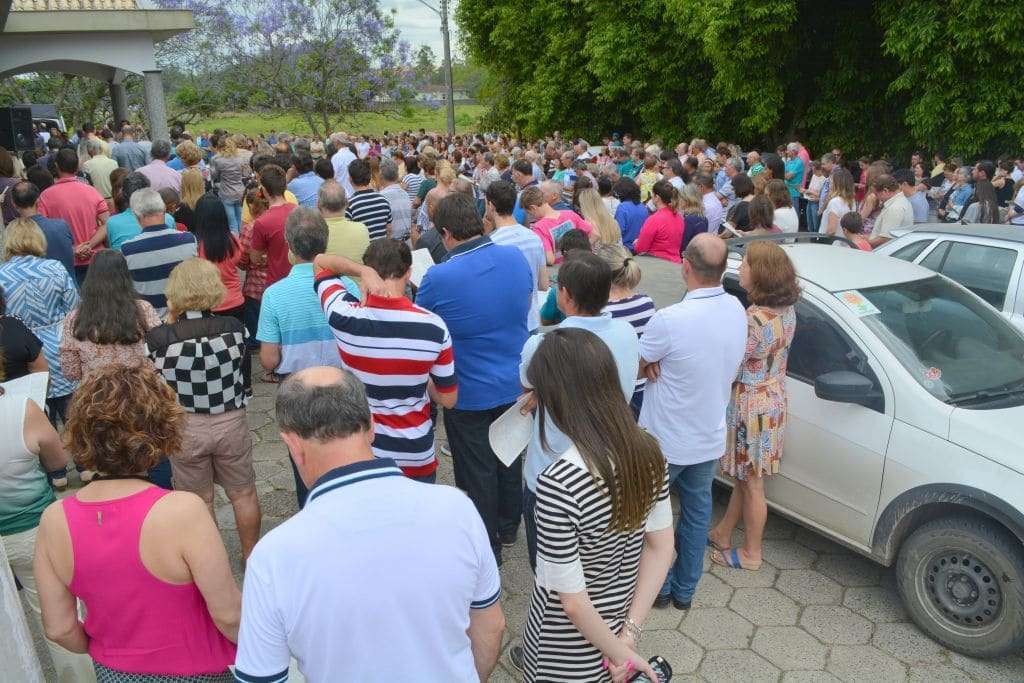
(420, 26)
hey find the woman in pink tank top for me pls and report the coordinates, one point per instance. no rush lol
(148, 564)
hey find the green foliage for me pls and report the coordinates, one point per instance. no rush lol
(467, 119)
(870, 77)
(77, 98)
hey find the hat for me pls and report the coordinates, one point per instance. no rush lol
(316, 149)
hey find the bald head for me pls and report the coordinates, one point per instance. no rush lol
(552, 191)
(322, 404)
(706, 257)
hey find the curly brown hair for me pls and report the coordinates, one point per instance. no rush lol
(772, 276)
(123, 420)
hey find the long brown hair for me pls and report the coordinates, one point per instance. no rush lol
(773, 280)
(576, 383)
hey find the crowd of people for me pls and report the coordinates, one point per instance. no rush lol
(144, 277)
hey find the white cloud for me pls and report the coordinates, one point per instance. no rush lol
(420, 26)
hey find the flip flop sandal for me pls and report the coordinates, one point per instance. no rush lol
(719, 548)
(731, 559)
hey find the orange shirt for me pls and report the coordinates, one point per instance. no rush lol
(229, 276)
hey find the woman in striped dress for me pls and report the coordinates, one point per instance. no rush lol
(604, 538)
(624, 302)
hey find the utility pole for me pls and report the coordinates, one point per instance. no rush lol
(448, 84)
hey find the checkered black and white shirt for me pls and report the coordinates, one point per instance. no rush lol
(200, 356)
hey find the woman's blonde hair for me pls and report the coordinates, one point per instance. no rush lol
(626, 271)
(189, 153)
(228, 147)
(23, 238)
(192, 187)
(445, 173)
(194, 285)
(596, 213)
(691, 203)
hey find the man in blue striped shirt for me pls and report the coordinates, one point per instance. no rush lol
(154, 252)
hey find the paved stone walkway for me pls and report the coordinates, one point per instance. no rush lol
(814, 612)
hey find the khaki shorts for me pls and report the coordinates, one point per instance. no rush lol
(216, 449)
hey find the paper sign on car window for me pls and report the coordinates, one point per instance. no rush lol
(857, 303)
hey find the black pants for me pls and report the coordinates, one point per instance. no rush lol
(238, 313)
(495, 490)
(530, 524)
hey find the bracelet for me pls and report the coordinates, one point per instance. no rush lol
(633, 629)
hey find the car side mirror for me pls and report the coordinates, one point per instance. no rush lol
(844, 386)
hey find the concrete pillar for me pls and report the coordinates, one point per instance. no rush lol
(156, 109)
(119, 102)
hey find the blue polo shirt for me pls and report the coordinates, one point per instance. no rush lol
(796, 167)
(482, 292)
(518, 212)
(306, 188)
(123, 226)
(59, 242)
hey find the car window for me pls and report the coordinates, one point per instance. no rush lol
(819, 345)
(912, 250)
(981, 268)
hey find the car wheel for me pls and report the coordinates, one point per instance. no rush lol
(962, 580)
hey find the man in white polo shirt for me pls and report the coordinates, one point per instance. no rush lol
(690, 353)
(379, 577)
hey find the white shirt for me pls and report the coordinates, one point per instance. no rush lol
(532, 248)
(340, 161)
(363, 148)
(699, 344)
(1018, 218)
(677, 182)
(372, 581)
(840, 208)
(401, 210)
(786, 219)
(714, 212)
(896, 213)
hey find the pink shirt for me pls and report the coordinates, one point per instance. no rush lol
(550, 230)
(77, 203)
(136, 622)
(662, 235)
(161, 175)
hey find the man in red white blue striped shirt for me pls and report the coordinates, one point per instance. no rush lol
(401, 352)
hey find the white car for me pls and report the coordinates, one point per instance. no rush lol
(906, 396)
(986, 259)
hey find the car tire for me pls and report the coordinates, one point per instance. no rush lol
(962, 581)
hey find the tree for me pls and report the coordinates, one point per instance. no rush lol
(323, 59)
(77, 98)
(879, 76)
(425, 62)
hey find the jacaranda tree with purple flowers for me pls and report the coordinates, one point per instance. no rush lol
(323, 59)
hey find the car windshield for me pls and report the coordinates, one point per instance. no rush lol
(961, 351)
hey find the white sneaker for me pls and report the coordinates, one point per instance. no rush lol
(60, 483)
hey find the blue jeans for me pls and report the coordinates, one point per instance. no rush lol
(251, 318)
(693, 486)
(234, 209)
(812, 217)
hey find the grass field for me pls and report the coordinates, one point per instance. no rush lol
(466, 117)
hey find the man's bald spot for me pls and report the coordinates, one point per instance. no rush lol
(707, 256)
(322, 376)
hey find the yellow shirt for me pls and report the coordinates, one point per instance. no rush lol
(347, 238)
(247, 215)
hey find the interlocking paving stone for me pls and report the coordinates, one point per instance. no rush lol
(682, 654)
(663, 618)
(716, 628)
(741, 578)
(808, 587)
(742, 666)
(1009, 669)
(808, 677)
(712, 592)
(849, 570)
(836, 625)
(788, 648)
(764, 607)
(862, 663)
(786, 554)
(906, 642)
(937, 673)
(876, 603)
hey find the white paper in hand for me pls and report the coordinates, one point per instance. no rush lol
(510, 434)
(32, 385)
(421, 262)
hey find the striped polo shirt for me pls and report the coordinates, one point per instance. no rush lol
(394, 347)
(152, 255)
(290, 316)
(635, 310)
(372, 209)
(524, 239)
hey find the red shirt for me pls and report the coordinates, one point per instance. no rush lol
(662, 235)
(268, 236)
(229, 277)
(77, 203)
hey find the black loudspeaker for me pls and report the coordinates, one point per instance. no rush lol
(16, 128)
